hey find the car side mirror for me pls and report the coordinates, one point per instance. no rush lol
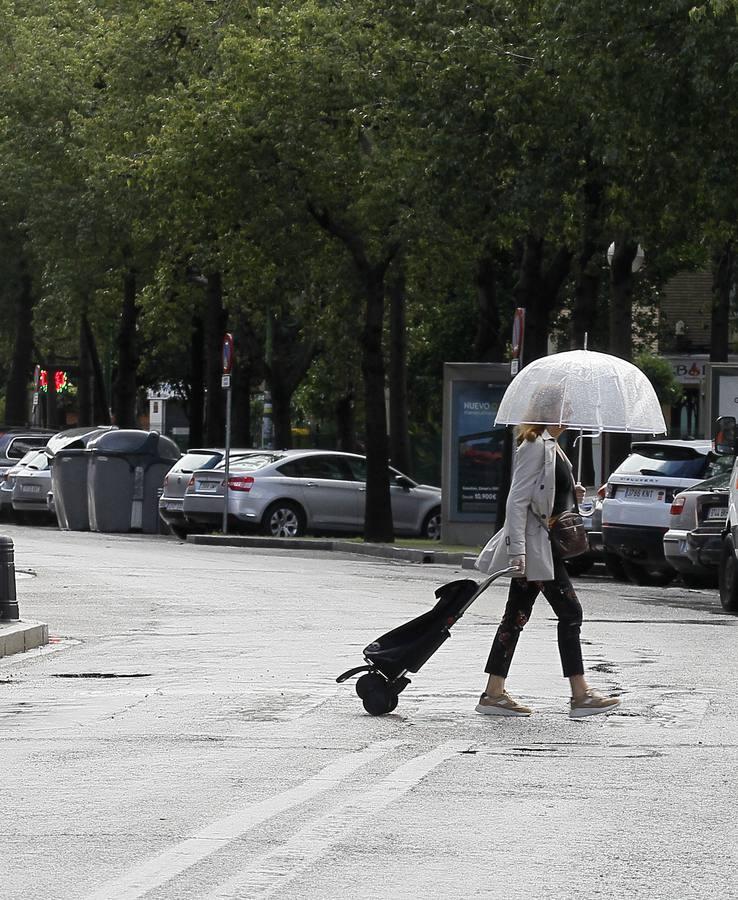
(403, 482)
(724, 442)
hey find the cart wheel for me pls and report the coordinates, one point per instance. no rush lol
(380, 701)
(394, 701)
(368, 683)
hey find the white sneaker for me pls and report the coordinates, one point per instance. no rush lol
(504, 705)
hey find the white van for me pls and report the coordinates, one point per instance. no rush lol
(637, 504)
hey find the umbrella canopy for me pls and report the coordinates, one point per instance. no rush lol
(583, 389)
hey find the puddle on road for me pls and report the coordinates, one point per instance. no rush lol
(577, 750)
(100, 675)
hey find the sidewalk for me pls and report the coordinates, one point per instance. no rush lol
(17, 637)
(384, 551)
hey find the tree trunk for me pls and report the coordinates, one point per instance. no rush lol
(621, 299)
(289, 357)
(16, 402)
(399, 431)
(583, 320)
(378, 524)
(215, 324)
(487, 338)
(86, 413)
(281, 414)
(537, 289)
(124, 387)
(241, 418)
(100, 408)
(620, 322)
(589, 268)
(197, 381)
(723, 281)
(52, 407)
(346, 423)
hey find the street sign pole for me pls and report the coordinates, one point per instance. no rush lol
(226, 384)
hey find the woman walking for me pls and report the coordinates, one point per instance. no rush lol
(542, 488)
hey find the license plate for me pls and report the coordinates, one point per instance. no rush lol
(717, 512)
(637, 493)
(207, 487)
(173, 504)
(31, 488)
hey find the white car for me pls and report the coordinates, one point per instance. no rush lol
(637, 505)
(288, 493)
(24, 486)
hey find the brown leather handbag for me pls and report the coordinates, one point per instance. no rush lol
(568, 536)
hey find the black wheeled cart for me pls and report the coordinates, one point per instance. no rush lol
(407, 648)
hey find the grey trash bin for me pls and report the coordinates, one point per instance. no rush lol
(69, 477)
(126, 470)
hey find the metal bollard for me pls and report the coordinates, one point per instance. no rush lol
(8, 602)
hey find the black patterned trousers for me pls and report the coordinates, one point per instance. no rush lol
(520, 599)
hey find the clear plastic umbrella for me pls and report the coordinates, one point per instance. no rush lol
(583, 389)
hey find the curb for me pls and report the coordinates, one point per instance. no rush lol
(17, 637)
(383, 551)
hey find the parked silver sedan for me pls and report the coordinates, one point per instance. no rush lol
(693, 543)
(171, 501)
(288, 493)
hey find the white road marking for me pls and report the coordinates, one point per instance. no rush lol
(172, 862)
(273, 870)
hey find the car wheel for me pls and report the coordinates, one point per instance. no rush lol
(646, 577)
(432, 525)
(614, 566)
(728, 577)
(283, 519)
(179, 531)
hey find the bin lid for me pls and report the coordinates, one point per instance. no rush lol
(135, 442)
(77, 438)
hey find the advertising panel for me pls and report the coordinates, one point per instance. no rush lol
(477, 449)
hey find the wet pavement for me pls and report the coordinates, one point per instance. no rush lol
(183, 736)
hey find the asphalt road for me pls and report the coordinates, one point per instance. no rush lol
(184, 737)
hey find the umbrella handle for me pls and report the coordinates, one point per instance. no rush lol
(580, 441)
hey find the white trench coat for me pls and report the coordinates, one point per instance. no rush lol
(529, 506)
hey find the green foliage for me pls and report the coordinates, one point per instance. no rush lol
(659, 372)
(185, 136)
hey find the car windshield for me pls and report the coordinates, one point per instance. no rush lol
(672, 462)
(35, 459)
(249, 462)
(194, 459)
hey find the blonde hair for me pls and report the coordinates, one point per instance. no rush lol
(528, 432)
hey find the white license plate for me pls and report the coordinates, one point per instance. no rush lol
(717, 512)
(31, 488)
(207, 487)
(637, 493)
(173, 504)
